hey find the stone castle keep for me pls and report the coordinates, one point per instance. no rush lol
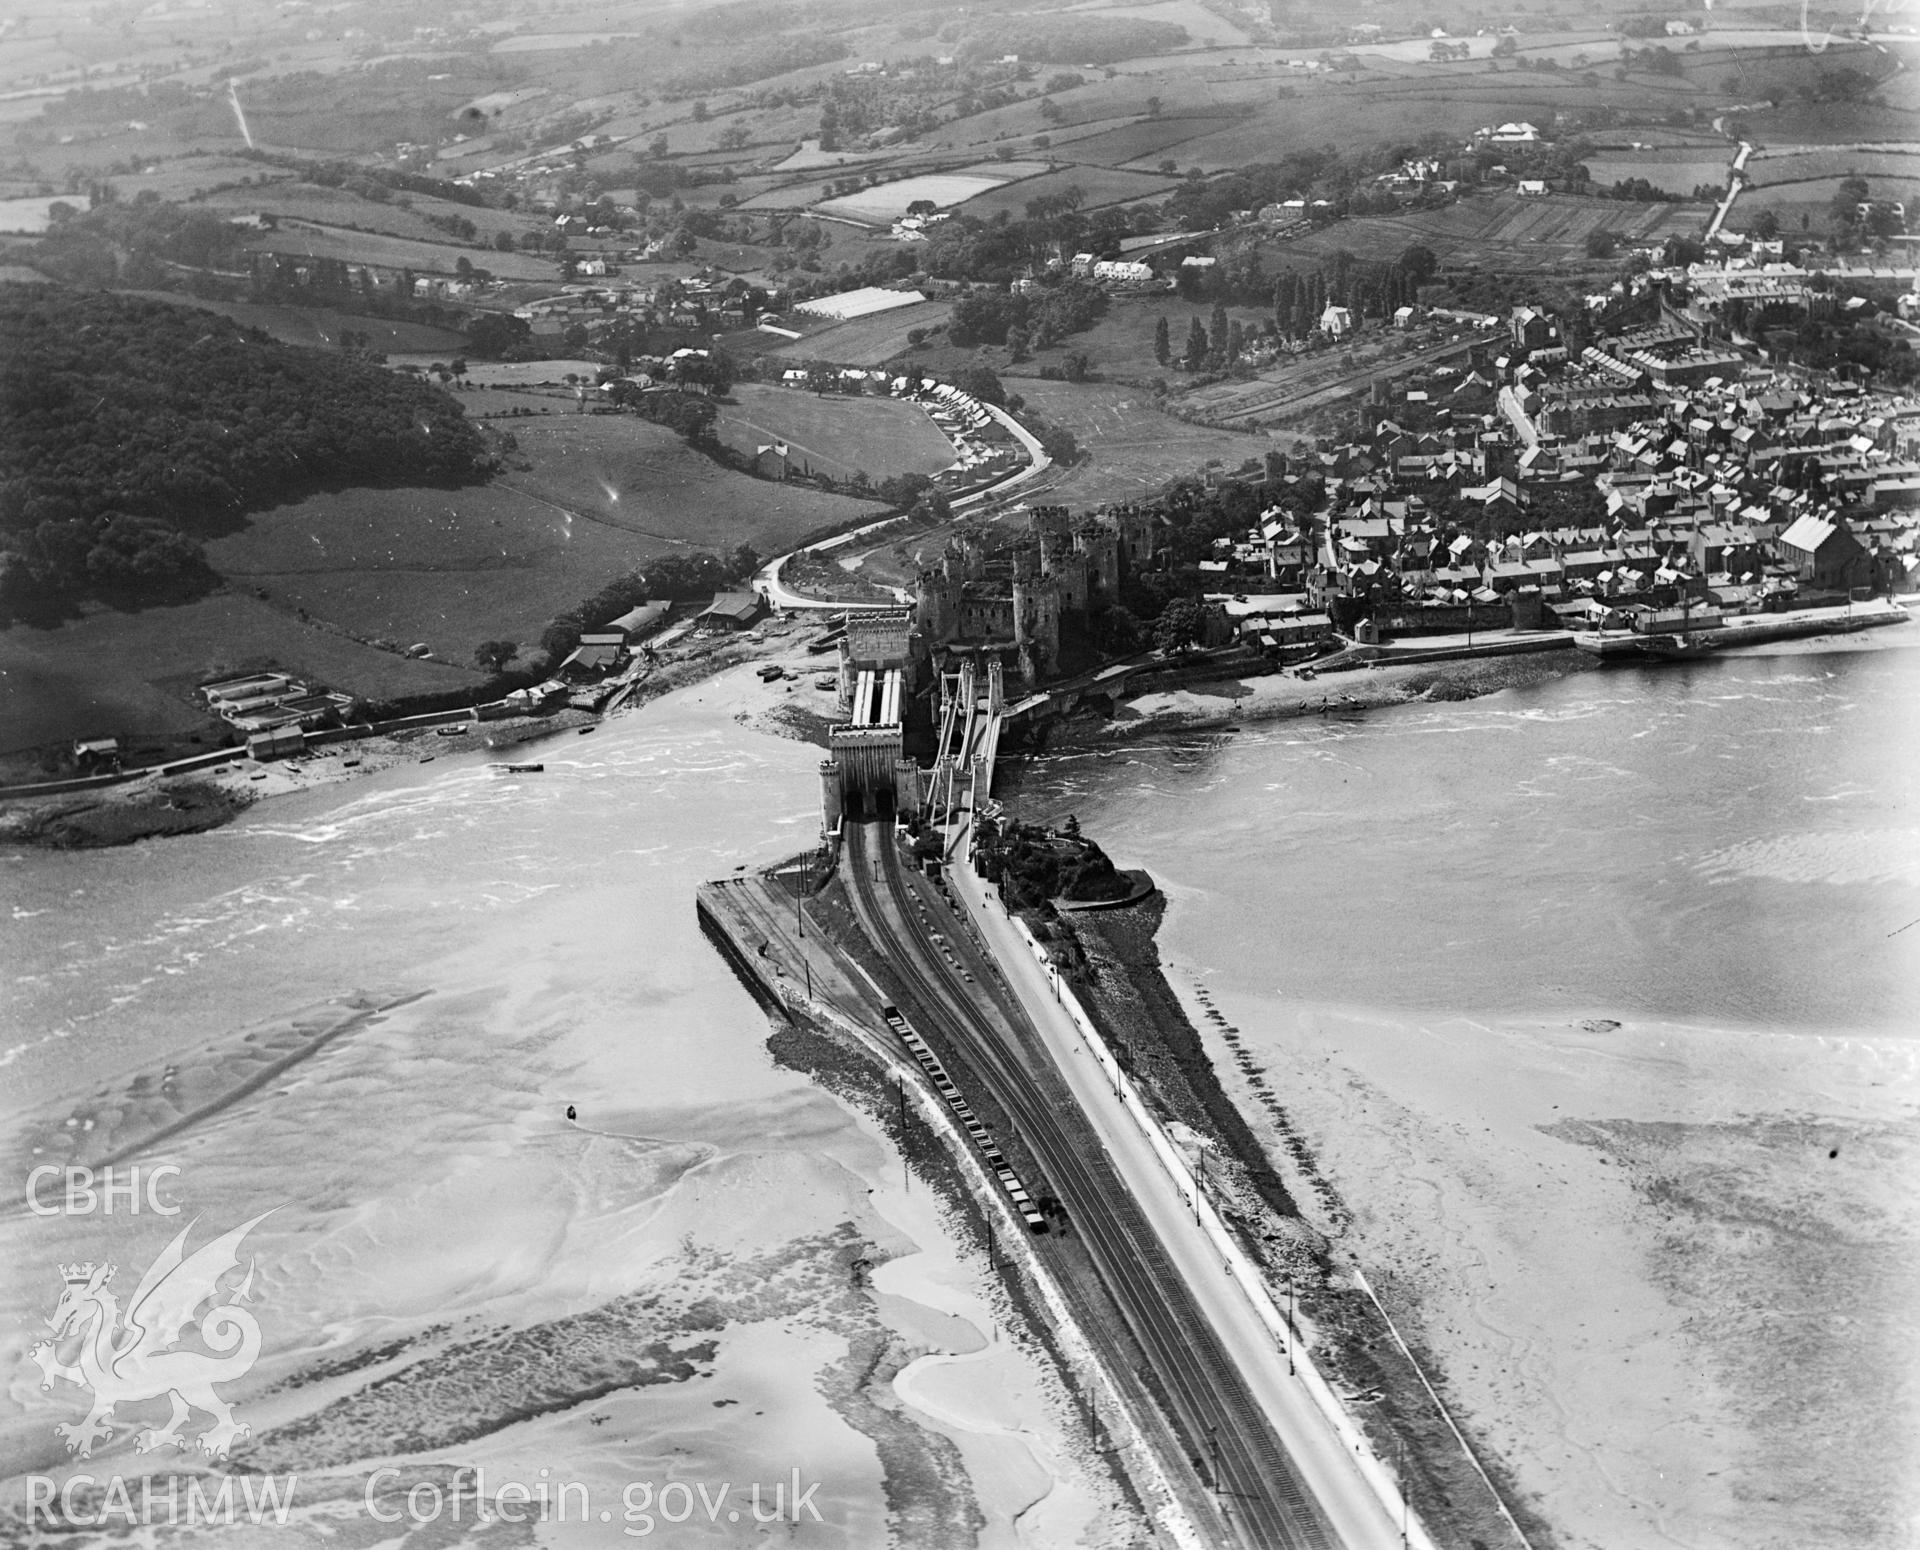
(990, 612)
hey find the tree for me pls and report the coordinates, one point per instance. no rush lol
(981, 383)
(492, 656)
(1162, 347)
(1196, 352)
(503, 241)
(1766, 226)
(498, 336)
(1178, 627)
(1417, 263)
(1601, 243)
(699, 112)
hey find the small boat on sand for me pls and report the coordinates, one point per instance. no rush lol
(520, 769)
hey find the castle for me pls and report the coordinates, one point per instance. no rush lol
(1008, 599)
(986, 606)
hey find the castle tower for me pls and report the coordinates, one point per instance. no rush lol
(1101, 546)
(1036, 627)
(935, 608)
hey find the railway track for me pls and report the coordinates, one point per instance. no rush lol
(1233, 1457)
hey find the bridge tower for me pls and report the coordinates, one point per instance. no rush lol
(996, 686)
(829, 797)
(906, 787)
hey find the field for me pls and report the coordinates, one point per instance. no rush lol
(1801, 184)
(184, 177)
(27, 217)
(810, 158)
(1205, 28)
(337, 208)
(868, 341)
(1135, 448)
(515, 374)
(1678, 172)
(455, 567)
(1789, 166)
(132, 674)
(1148, 139)
(398, 252)
(834, 434)
(1098, 186)
(1498, 230)
(888, 202)
(320, 327)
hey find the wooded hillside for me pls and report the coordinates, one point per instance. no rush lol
(131, 429)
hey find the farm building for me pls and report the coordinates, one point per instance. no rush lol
(732, 611)
(641, 620)
(858, 304)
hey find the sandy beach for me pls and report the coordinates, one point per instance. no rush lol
(1630, 1308)
(365, 1008)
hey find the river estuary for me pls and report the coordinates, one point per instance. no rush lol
(1593, 1000)
(1598, 1004)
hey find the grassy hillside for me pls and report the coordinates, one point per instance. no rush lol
(834, 434)
(455, 567)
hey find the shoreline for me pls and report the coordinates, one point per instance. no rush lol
(198, 801)
(1229, 701)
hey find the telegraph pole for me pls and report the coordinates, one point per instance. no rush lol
(1293, 1335)
(906, 1170)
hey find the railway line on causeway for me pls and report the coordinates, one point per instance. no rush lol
(1238, 1470)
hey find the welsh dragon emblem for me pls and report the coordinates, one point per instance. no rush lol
(127, 1360)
